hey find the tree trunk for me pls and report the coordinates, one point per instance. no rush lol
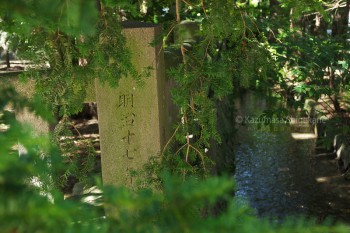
(8, 65)
(340, 22)
(319, 28)
(334, 96)
(274, 8)
(339, 32)
(98, 5)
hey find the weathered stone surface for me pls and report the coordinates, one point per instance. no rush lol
(343, 157)
(10, 79)
(337, 142)
(38, 125)
(310, 108)
(132, 118)
(90, 94)
(342, 150)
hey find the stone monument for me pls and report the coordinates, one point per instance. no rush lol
(132, 118)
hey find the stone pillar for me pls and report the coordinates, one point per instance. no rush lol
(132, 118)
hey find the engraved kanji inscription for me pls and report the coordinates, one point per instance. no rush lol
(126, 100)
(128, 119)
(127, 138)
(129, 152)
(129, 173)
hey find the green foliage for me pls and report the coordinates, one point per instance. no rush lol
(78, 161)
(74, 17)
(309, 62)
(70, 45)
(318, 56)
(72, 63)
(299, 8)
(110, 58)
(230, 53)
(178, 207)
(13, 134)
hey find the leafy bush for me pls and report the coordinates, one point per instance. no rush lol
(178, 207)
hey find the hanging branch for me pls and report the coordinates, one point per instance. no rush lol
(178, 4)
(203, 7)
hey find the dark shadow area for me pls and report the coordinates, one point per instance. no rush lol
(84, 128)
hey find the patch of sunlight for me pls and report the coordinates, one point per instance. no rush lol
(303, 136)
(322, 179)
(4, 127)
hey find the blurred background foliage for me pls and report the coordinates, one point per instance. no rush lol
(283, 48)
